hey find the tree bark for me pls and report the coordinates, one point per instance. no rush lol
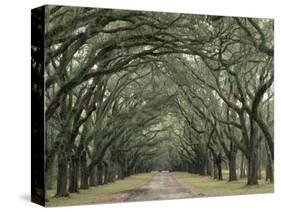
(62, 175)
(232, 166)
(125, 169)
(252, 168)
(50, 164)
(269, 166)
(93, 176)
(259, 163)
(106, 173)
(208, 165)
(242, 167)
(252, 156)
(201, 168)
(269, 172)
(100, 174)
(219, 161)
(49, 175)
(215, 169)
(111, 172)
(73, 175)
(84, 180)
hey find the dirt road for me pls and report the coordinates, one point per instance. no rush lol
(162, 186)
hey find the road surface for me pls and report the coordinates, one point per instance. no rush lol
(162, 186)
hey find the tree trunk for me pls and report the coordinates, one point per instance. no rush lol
(84, 180)
(49, 175)
(259, 160)
(202, 169)
(74, 174)
(242, 167)
(218, 163)
(121, 174)
(232, 167)
(113, 173)
(215, 169)
(106, 173)
(50, 164)
(100, 174)
(208, 165)
(269, 166)
(125, 170)
(252, 168)
(269, 171)
(62, 175)
(93, 176)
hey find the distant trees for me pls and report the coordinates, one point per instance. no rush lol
(232, 86)
(120, 83)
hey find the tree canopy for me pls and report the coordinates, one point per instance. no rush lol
(135, 91)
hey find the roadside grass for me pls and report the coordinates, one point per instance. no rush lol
(207, 186)
(98, 194)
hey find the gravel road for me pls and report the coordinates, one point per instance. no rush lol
(162, 186)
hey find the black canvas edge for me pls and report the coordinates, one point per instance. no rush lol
(37, 105)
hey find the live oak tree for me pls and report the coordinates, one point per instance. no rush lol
(127, 89)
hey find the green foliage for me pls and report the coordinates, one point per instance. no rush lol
(134, 88)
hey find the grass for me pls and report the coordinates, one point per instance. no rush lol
(98, 194)
(200, 184)
(210, 187)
